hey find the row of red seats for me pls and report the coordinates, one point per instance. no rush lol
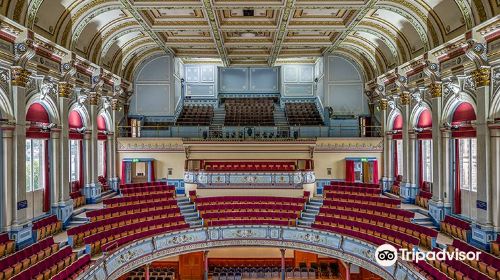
(46, 227)
(7, 246)
(455, 227)
(97, 240)
(23, 259)
(78, 199)
(457, 269)
(72, 271)
(353, 233)
(495, 246)
(251, 199)
(393, 236)
(129, 200)
(351, 190)
(373, 200)
(484, 257)
(380, 210)
(422, 199)
(242, 206)
(426, 235)
(160, 190)
(77, 234)
(137, 236)
(141, 185)
(355, 184)
(249, 214)
(253, 221)
(49, 267)
(250, 166)
(426, 269)
(115, 211)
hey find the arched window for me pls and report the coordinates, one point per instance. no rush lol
(424, 135)
(37, 161)
(465, 159)
(397, 126)
(101, 146)
(75, 150)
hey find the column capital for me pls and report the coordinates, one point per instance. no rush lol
(435, 90)
(94, 98)
(405, 98)
(115, 104)
(19, 76)
(383, 104)
(65, 90)
(481, 76)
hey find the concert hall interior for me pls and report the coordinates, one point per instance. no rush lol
(259, 139)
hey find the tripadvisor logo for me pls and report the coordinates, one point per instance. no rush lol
(387, 255)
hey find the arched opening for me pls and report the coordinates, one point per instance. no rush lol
(424, 136)
(76, 127)
(102, 138)
(397, 127)
(37, 161)
(464, 160)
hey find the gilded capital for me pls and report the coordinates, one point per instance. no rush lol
(481, 77)
(405, 98)
(20, 76)
(65, 90)
(94, 98)
(115, 104)
(383, 104)
(435, 90)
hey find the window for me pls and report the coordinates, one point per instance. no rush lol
(35, 150)
(399, 153)
(467, 157)
(100, 158)
(426, 160)
(74, 160)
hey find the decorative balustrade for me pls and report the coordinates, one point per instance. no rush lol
(293, 179)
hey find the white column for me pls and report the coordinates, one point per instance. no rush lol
(87, 143)
(92, 189)
(408, 189)
(94, 141)
(495, 176)
(446, 168)
(386, 159)
(55, 168)
(388, 155)
(413, 178)
(7, 190)
(437, 182)
(110, 164)
(64, 186)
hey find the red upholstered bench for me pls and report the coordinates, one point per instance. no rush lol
(488, 263)
(394, 213)
(106, 213)
(423, 198)
(351, 190)
(456, 269)
(138, 199)
(370, 200)
(47, 227)
(72, 271)
(455, 227)
(49, 267)
(495, 246)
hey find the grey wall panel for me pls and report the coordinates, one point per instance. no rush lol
(157, 69)
(200, 90)
(233, 80)
(153, 100)
(264, 80)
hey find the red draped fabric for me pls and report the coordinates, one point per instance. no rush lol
(75, 122)
(153, 171)
(464, 113)
(349, 171)
(375, 172)
(124, 172)
(457, 194)
(80, 167)
(37, 113)
(46, 192)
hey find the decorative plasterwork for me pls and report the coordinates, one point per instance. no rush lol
(282, 29)
(215, 31)
(350, 147)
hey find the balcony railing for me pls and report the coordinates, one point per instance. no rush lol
(248, 132)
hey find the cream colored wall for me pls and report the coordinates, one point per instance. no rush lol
(328, 153)
(35, 199)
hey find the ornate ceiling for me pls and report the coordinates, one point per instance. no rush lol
(377, 35)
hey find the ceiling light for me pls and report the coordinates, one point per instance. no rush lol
(248, 13)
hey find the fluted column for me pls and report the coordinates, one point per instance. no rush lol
(495, 175)
(55, 167)
(112, 172)
(7, 190)
(482, 231)
(386, 159)
(283, 264)
(87, 142)
(92, 190)
(408, 190)
(413, 178)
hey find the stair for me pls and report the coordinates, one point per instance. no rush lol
(108, 194)
(219, 116)
(279, 116)
(310, 212)
(188, 210)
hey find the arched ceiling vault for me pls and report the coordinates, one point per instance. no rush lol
(376, 34)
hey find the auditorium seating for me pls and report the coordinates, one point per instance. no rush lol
(455, 227)
(157, 273)
(148, 190)
(456, 269)
(337, 189)
(250, 166)
(47, 227)
(355, 184)
(196, 115)
(422, 199)
(364, 199)
(26, 258)
(104, 183)
(395, 188)
(429, 271)
(50, 266)
(76, 195)
(7, 246)
(249, 111)
(426, 235)
(233, 210)
(495, 246)
(106, 213)
(487, 264)
(73, 270)
(138, 199)
(303, 114)
(370, 209)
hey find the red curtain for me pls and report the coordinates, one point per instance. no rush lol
(420, 166)
(395, 159)
(375, 172)
(46, 171)
(457, 197)
(81, 179)
(153, 171)
(105, 159)
(349, 171)
(124, 172)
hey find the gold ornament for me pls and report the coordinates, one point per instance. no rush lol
(65, 90)
(405, 98)
(435, 90)
(481, 77)
(383, 104)
(20, 76)
(94, 98)
(115, 104)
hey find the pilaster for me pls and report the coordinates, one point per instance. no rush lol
(6, 183)
(386, 180)
(408, 189)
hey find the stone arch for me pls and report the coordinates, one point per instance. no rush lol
(453, 102)
(140, 252)
(5, 106)
(75, 106)
(392, 117)
(495, 105)
(107, 118)
(49, 105)
(417, 110)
